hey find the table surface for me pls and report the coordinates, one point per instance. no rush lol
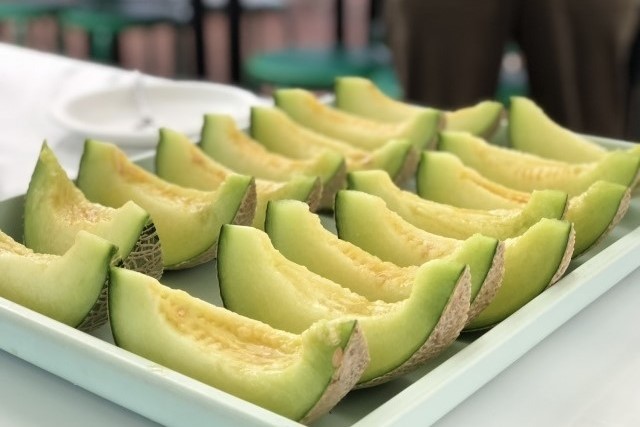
(586, 373)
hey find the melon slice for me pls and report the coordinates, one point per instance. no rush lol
(279, 133)
(259, 282)
(188, 221)
(298, 376)
(527, 269)
(299, 235)
(55, 210)
(306, 109)
(70, 288)
(223, 141)
(443, 178)
(532, 131)
(528, 172)
(181, 162)
(360, 96)
(459, 223)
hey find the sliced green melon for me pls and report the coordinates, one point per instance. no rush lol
(259, 282)
(528, 172)
(532, 131)
(360, 96)
(297, 376)
(181, 162)
(443, 178)
(306, 109)
(222, 140)
(299, 235)
(527, 269)
(188, 221)
(70, 288)
(55, 210)
(279, 133)
(459, 223)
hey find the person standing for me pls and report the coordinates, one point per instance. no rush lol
(447, 54)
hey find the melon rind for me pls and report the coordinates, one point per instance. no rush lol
(298, 376)
(360, 96)
(187, 221)
(181, 162)
(275, 130)
(70, 288)
(403, 244)
(222, 140)
(55, 210)
(442, 177)
(454, 222)
(528, 172)
(368, 134)
(259, 282)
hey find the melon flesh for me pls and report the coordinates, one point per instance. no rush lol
(188, 221)
(70, 288)
(259, 282)
(55, 210)
(300, 376)
(443, 178)
(279, 133)
(181, 162)
(528, 172)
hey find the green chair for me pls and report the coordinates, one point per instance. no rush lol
(317, 69)
(20, 13)
(104, 20)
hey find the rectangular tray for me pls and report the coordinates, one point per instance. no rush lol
(420, 398)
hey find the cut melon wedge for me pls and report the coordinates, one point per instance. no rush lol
(181, 162)
(55, 210)
(368, 134)
(259, 282)
(533, 131)
(528, 172)
(298, 376)
(223, 141)
(443, 178)
(360, 96)
(71, 288)
(459, 223)
(299, 235)
(188, 221)
(527, 269)
(279, 133)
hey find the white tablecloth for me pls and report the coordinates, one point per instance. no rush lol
(585, 374)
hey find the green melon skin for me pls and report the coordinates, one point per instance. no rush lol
(527, 272)
(298, 376)
(181, 162)
(70, 288)
(360, 96)
(299, 235)
(259, 282)
(187, 221)
(443, 178)
(531, 130)
(222, 140)
(454, 222)
(528, 172)
(527, 269)
(368, 134)
(275, 130)
(55, 210)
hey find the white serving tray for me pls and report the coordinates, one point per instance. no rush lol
(419, 398)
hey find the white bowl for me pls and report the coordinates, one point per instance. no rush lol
(113, 114)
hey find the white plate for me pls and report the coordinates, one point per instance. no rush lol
(113, 115)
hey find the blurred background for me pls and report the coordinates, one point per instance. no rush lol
(258, 44)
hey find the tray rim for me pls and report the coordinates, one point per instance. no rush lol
(106, 370)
